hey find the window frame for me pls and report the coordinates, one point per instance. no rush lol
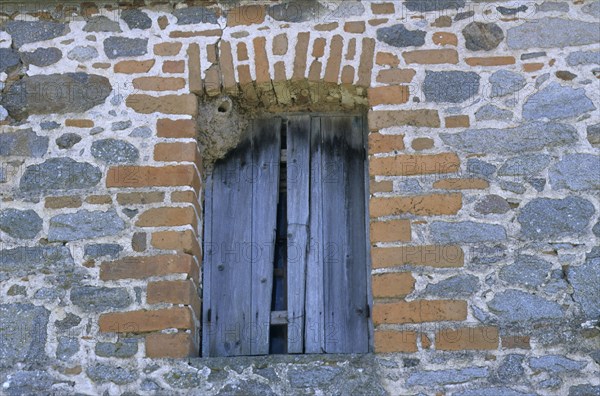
(208, 218)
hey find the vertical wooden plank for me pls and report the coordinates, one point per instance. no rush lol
(344, 261)
(266, 143)
(298, 177)
(365, 136)
(230, 265)
(208, 251)
(313, 323)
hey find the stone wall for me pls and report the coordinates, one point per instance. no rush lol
(485, 172)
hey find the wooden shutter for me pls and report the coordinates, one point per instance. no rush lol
(327, 302)
(335, 287)
(239, 237)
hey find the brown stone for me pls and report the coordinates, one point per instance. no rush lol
(378, 21)
(379, 143)
(388, 118)
(419, 311)
(439, 256)
(99, 199)
(140, 198)
(280, 44)
(444, 38)
(442, 21)
(354, 27)
(158, 83)
(467, 338)
(171, 346)
(381, 186)
(490, 61)
(392, 285)
(390, 231)
(422, 143)
(163, 22)
(461, 184)
(173, 66)
(395, 76)
(79, 123)
(388, 341)
(141, 267)
(326, 27)
(167, 104)
(431, 57)
(516, 342)
(132, 67)
(145, 321)
(138, 241)
(420, 205)
(382, 8)
(101, 65)
(458, 121)
(62, 202)
(167, 49)
(395, 94)
(246, 15)
(414, 164)
(532, 67)
(167, 128)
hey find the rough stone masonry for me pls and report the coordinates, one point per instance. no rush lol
(484, 193)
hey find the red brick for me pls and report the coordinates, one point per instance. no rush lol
(141, 267)
(167, 128)
(145, 321)
(180, 241)
(166, 104)
(419, 311)
(177, 152)
(390, 231)
(421, 205)
(132, 67)
(467, 338)
(140, 198)
(439, 256)
(167, 217)
(389, 118)
(183, 292)
(414, 164)
(387, 341)
(379, 143)
(392, 285)
(167, 49)
(395, 94)
(148, 176)
(173, 346)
